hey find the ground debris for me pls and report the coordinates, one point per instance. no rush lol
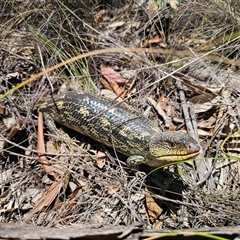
(201, 98)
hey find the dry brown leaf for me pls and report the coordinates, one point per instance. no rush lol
(112, 76)
(2, 126)
(113, 189)
(204, 107)
(207, 124)
(105, 83)
(9, 121)
(110, 95)
(198, 88)
(153, 209)
(202, 98)
(101, 159)
(51, 147)
(2, 110)
(158, 225)
(120, 92)
(173, 4)
(149, 42)
(99, 15)
(204, 133)
(4, 195)
(118, 24)
(158, 108)
(13, 132)
(73, 201)
(162, 101)
(108, 190)
(153, 6)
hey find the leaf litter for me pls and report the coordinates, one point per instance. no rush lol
(87, 193)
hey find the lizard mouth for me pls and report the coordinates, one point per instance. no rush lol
(179, 157)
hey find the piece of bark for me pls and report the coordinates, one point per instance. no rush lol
(24, 231)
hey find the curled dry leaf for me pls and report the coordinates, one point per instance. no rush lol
(2, 110)
(118, 24)
(113, 188)
(51, 147)
(110, 95)
(15, 129)
(173, 4)
(149, 42)
(204, 133)
(101, 159)
(207, 124)
(99, 15)
(153, 6)
(154, 210)
(202, 98)
(9, 121)
(105, 83)
(204, 107)
(201, 92)
(112, 76)
(119, 90)
(158, 108)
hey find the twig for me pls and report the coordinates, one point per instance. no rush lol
(203, 168)
(41, 148)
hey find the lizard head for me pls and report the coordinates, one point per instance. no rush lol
(170, 147)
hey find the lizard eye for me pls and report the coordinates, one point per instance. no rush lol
(171, 144)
